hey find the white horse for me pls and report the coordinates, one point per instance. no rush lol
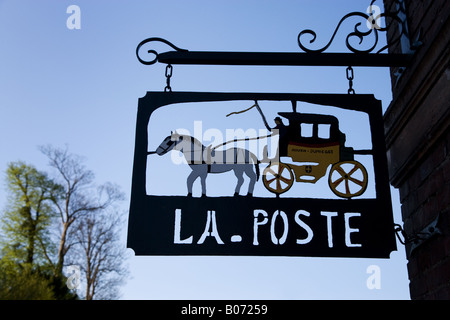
(204, 160)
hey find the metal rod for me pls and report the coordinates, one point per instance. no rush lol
(363, 152)
(284, 59)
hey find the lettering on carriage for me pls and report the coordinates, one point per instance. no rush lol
(264, 225)
(322, 151)
(312, 151)
(299, 150)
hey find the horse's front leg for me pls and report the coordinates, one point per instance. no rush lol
(198, 170)
(190, 181)
(203, 182)
(203, 172)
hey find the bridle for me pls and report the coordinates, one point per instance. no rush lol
(166, 149)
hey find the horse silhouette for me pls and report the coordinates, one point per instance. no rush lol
(203, 160)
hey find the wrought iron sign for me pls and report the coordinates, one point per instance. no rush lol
(310, 148)
(268, 216)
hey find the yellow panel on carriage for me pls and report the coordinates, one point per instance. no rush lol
(327, 153)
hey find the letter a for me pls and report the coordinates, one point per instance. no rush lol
(210, 224)
(374, 280)
(74, 20)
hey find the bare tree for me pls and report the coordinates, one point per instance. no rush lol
(80, 197)
(100, 254)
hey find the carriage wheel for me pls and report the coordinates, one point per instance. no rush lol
(278, 177)
(348, 179)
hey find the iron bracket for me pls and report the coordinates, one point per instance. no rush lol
(364, 57)
(416, 240)
(424, 235)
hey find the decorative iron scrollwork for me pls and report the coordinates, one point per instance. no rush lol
(151, 51)
(371, 24)
(311, 57)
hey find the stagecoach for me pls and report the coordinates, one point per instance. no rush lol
(306, 149)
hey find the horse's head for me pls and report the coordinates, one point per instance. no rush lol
(169, 143)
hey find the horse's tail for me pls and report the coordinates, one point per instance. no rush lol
(256, 162)
(257, 169)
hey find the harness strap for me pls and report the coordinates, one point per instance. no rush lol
(236, 140)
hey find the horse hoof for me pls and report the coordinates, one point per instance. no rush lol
(189, 195)
(203, 195)
(249, 195)
(236, 194)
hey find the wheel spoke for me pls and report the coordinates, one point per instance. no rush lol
(271, 171)
(286, 180)
(271, 180)
(341, 171)
(280, 169)
(269, 185)
(337, 182)
(279, 185)
(356, 181)
(353, 170)
(347, 188)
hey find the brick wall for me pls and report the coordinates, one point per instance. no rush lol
(418, 141)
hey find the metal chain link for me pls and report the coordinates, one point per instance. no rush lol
(350, 77)
(169, 71)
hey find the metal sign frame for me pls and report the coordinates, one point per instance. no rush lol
(180, 225)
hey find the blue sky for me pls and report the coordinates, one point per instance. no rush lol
(81, 88)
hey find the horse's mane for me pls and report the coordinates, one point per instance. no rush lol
(192, 139)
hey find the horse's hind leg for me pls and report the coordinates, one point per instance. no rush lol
(252, 175)
(238, 173)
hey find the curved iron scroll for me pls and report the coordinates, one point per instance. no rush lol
(311, 57)
(154, 39)
(357, 32)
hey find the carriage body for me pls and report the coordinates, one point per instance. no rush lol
(307, 147)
